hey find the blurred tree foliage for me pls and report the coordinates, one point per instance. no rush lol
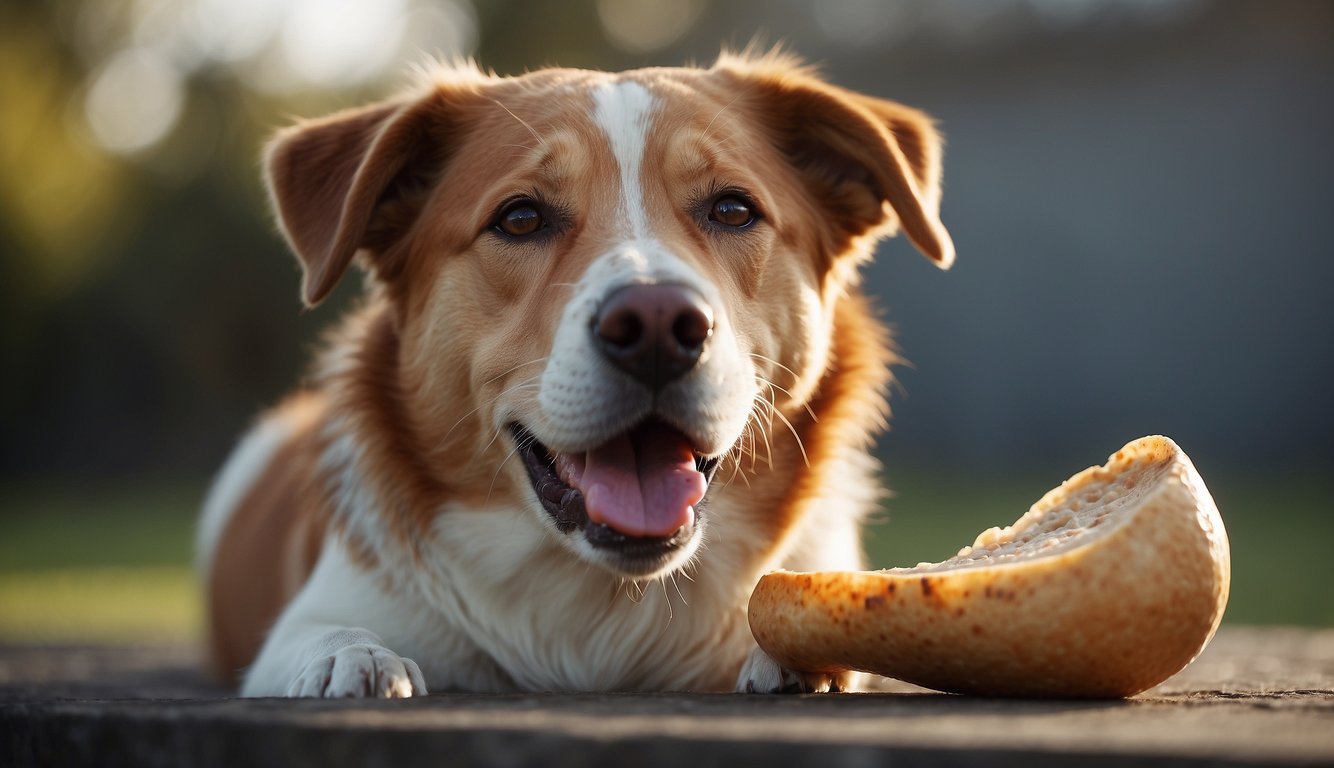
(148, 307)
(125, 340)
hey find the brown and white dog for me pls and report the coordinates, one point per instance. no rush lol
(613, 366)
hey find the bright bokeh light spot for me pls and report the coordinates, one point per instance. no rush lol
(152, 48)
(342, 42)
(231, 30)
(440, 29)
(134, 100)
(644, 26)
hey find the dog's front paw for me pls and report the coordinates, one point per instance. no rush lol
(761, 674)
(360, 671)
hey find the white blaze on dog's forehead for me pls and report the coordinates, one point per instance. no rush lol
(712, 403)
(622, 109)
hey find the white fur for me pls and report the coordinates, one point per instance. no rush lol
(247, 462)
(357, 506)
(304, 651)
(481, 614)
(712, 403)
(596, 631)
(622, 110)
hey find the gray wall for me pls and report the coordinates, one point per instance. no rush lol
(1145, 229)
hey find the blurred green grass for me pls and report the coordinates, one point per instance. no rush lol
(89, 564)
(111, 564)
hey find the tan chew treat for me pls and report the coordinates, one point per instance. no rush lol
(1107, 586)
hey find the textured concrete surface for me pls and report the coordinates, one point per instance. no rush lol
(1255, 697)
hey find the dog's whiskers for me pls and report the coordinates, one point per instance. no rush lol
(667, 598)
(523, 384)
(771, 361)
(514, 368)
(807, 406)
(679, 593)
(516, 388)
(800, 446)
(750, 447)
(762, 405)
(785, 391)
(533, 150)
(521, 121)
(734, 457)
(751, 429)
(716, 115)
(499, 467)
(766, 429)
(691, 563)
(764, 411)
(501, 428)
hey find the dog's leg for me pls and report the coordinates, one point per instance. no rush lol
(834, 546)
(312, 652)
(761, 674)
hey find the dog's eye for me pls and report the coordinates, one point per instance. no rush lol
(732, 211)
(520, 219)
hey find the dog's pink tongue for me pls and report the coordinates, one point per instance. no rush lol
(642, 483)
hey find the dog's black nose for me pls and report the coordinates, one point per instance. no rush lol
(655, 332)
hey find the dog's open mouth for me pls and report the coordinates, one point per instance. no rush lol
(639, 491)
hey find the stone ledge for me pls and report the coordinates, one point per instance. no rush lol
(1256, 697)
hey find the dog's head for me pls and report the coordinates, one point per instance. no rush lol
(606, 276)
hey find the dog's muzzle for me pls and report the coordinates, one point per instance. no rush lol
(655, 332)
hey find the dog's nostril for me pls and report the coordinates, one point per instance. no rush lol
(621, 327)
(692, 328)
(654, 332)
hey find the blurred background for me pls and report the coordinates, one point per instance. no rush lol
(1141, 193)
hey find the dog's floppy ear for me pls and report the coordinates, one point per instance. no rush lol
(329, 178)
(856, 153)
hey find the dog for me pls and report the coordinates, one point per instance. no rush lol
(611, 366)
